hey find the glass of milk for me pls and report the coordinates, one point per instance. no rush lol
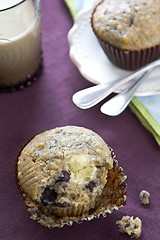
(20, 41)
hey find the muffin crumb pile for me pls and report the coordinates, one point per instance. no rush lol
(132, 227)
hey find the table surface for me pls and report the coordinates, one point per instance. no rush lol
(47, 104)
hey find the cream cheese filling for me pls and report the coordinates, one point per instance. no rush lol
(81, 167)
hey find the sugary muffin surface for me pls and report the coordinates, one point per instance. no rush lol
(64, 167)
(128, 24)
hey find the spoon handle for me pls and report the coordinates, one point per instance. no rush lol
(117, 104)
(89, 97)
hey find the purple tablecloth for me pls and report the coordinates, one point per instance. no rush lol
(47, 104)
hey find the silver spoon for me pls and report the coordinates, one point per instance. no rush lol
(117, 104)
(89, 97)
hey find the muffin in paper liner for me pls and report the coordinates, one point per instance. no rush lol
(122, 56)
(113, 197)
(49, 192)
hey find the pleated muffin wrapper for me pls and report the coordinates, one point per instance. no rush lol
(74, 210)
(127, 59)
(113, 196)
(130, 60)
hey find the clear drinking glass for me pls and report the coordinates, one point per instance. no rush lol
(20, 41)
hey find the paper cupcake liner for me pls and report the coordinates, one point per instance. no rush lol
(70, 211)
(24, 83)
(127, 59)
(74, 210)
(114, 196)
(130, 60)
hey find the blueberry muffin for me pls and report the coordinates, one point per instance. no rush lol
(128, 31)
(64, 173)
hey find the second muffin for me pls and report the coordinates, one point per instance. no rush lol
(128, 31)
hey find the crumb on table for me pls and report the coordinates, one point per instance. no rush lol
(144, 197)
(132, 227)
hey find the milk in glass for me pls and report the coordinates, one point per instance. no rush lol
(20, 40)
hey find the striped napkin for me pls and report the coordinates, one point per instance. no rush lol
(147, 109)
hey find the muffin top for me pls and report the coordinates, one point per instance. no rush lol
(128, 24)
(64, 165)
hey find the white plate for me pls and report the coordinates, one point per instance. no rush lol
(89, 58)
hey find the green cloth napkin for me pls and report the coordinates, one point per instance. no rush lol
(145, 118)
(137, 107)
(72, 7)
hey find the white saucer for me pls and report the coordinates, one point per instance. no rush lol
(89, 58)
